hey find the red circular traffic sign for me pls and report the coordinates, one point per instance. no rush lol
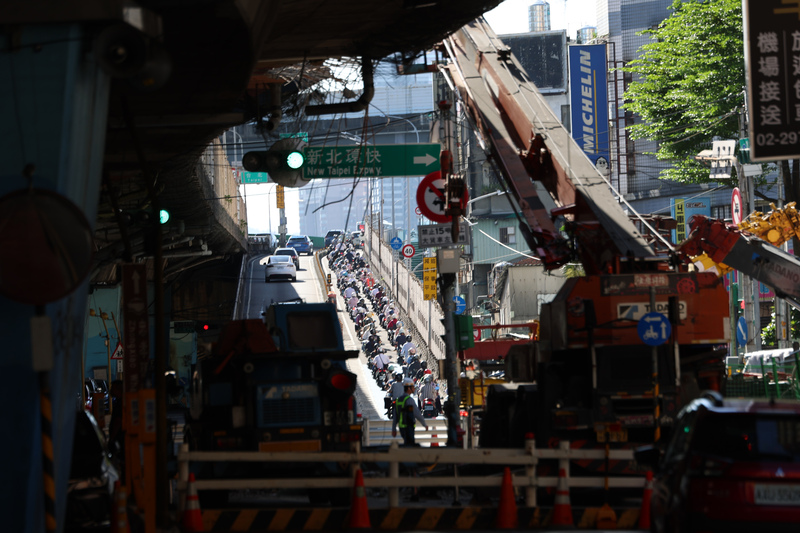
(408, 250)
(417, 210)
(736, 206)
(476, 333)
(431, 198)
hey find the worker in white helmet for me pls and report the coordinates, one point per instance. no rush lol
(407, 413)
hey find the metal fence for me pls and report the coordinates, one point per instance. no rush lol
(763, 380)
(526, 459)
(422, 317)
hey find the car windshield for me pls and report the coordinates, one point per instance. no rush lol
(280, 259)
(749, 436)
(284, 252)
(297, 239)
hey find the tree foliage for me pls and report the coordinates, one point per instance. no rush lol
(688, 83)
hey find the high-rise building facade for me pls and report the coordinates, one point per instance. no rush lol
(633, 171)
(539, 16)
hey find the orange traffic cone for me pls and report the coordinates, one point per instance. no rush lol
(507, 508)
(119, 514)
(192, 517)
(434, 442)
(359, 513)
(562, 510)
(644, 514)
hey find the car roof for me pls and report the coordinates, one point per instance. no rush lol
(280, 259)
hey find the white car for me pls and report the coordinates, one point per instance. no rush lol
(280, 267)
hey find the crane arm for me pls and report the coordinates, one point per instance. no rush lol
(542, 166)
(748, 254)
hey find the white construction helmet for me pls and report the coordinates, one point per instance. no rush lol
(408, 382)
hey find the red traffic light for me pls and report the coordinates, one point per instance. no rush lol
(205, 327)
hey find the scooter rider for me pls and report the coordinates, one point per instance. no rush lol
(407, 412)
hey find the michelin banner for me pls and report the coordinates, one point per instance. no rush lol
(589, 102)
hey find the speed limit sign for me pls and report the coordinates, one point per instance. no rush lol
(408, 250)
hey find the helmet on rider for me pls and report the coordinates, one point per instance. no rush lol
(408, 382)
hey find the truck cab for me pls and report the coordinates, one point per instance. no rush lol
(280, 384)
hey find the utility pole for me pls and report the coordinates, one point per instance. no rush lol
(748, 287)
(447, 263)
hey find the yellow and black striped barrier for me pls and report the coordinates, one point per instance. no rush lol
(405, 519)
(46, 417)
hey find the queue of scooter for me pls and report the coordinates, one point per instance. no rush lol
(370, 308)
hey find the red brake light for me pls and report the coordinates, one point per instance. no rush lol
(341, 381)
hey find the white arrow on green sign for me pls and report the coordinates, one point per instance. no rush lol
(371, 160)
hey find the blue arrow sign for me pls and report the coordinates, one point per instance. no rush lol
(741, 331)
(461, 305)
(396, 243)
(654, 329)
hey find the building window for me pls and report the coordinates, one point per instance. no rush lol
(721, 212)
(508, 235)
(565, 118)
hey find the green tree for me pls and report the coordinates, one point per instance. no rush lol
(688, 84)
(769, 336)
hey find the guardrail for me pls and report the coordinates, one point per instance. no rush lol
(379, 433)
(526, 458)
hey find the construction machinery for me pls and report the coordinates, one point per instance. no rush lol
(269, 386)
(600, 370)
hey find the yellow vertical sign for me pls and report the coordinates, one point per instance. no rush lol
(429, 278)
(680, 218)
(279, 191)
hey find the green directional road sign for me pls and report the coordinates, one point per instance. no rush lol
(254, 177)
(371, 160)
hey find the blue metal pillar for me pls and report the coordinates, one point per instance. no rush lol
(53, 108)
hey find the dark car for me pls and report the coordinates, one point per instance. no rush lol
(302, 243)
(331, 236)
(731, 465)
(290, 252)
(90, 489)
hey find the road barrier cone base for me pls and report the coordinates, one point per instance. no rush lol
(606, 518)
(192, 517)
(507, 508)
(562, 510)
(644, 514)
(359, 512)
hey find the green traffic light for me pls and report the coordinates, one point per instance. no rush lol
(295, 160)
(163, 216)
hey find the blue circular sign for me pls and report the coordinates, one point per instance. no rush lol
(461, 305)
(741, 331)
(654, 329)
(396, 243)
